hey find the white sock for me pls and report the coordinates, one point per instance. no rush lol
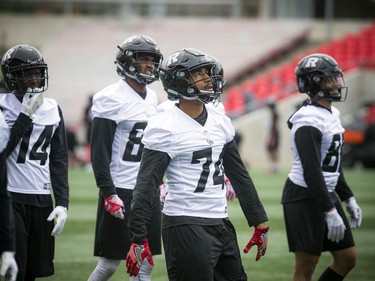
(104, 270)
(144, 273)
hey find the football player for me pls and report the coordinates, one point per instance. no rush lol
(219, 82)
(272, 144)
(37, 160)
(8, 265)
(120, 114)
(314, 218)
(191, 144)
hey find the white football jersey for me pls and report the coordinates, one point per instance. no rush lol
(30, 158)
(194, 172)
(168, 104)
(329, 125)
(4, 132)
(120, 103)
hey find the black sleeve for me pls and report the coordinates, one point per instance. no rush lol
(308, 142)
(243, 185)
(342, 188)
(58, 164)
(102, 135)
(150, 175)
(7, 230)
(17, 131)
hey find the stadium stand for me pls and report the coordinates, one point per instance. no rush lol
(351, 51)
(80, 51)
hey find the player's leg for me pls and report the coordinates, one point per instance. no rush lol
(191, 251)
(305, 264)
(41, 247)
(104, 269)
(305, 225)
(111, 239)
(229, 265)
(21, 240)
(343, 252)
(34, 243)
(144, 273)
(154, 240)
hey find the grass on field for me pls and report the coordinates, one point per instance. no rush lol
(74, 260)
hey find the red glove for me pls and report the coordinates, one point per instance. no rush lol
(259, 238)
(135, 257)
(114, 205)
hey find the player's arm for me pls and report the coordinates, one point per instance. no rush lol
(342, 188)
(59, 164)
(17, 131)
(249, 200)
(102, 135)
(7, 230)
(308, 142)
(346, 195)
(150, 175)
(243, 185)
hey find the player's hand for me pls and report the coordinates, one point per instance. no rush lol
(114, 205)
(8, 266)
(31, 102)
(231, 194)
(136, 255)
(259, 238)
(61, 213)
(355, 213)
(336, 226)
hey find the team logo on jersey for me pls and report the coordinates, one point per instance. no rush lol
(47, 186)
(209, 141)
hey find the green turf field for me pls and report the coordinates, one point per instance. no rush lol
(74, 260)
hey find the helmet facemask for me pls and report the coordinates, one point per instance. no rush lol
(135, 72)
(203, 95)
(331, 87)
(24, 70)
(32, 80)
(217, 75)
(319, 76)
(177, 76)
(129, 59)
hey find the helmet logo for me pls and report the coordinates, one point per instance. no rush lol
(311, 62)
(129, 40)
(173, 59)
(8, 54)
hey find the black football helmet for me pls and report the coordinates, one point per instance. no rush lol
(127, 58)
(217, 75)
(19, 59)
(319, 76)
(176, 70)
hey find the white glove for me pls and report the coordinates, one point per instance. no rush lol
(8, 266)
(355, 213)
(336, 226)
(31, 102)
(61, 214)
(231, 194)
